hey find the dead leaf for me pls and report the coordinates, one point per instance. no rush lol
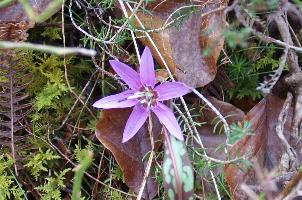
(246, 103)
(263, 147)
(211, 138)
(184, 45)
(129, 155)
(221, 83)
(14, 22)
(214, 141)
(15, 12)
(231, 113)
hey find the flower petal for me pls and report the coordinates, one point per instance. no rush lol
(135, 121)
(147, 73)
(170, 90)
(116, 101)
(129, 75)
(167, 118)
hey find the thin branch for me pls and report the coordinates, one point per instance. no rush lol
(65, 67)
(131, 31)
(76, 102)
(225, 123)
(280, 128)
(46, 48)
(261, 36)
(294, 68)
(149, 164)
(291, 184)
(127, 21)
(12, 117)
(83, 31)
(267, 86)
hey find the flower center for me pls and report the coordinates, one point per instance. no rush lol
(146, 96)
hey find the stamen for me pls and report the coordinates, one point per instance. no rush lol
(136, 95)
(143, 101)
(147, 96)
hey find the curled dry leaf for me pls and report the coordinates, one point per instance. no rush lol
(192, 43)
(263, 147)
(130, 155)
(14, 22)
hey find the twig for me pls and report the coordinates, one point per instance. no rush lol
(220, 161)
(75, 103)
(12, 117)
(261, 36)
(292, 183)
(225, 124)
(131, 31)
(203, 155)
(46, 48)
(267, 86)
(283, 27)
(65, 67)
(294, 69)
(251, 194)
(280, 127)
(102, 70)
(83, 31)
(149, 164)
(127, 21)
(231, 7)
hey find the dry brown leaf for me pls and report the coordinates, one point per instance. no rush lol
(183, 46)
(129, 155)
(263, 147)
(15, 12)
(14, 22)
(213, 141)
(231, 113)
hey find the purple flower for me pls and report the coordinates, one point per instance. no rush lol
(144, 96)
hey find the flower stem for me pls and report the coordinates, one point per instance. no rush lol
(149, 164)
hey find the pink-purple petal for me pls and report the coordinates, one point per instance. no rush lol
(170, 90)
(135, 121)
(116, 101)
(129, 75)
(167, 118)
(147, 73)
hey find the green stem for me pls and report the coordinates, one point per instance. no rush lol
(5, 3)
(51, 9)
(79, 173)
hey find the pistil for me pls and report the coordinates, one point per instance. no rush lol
(147, 96)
